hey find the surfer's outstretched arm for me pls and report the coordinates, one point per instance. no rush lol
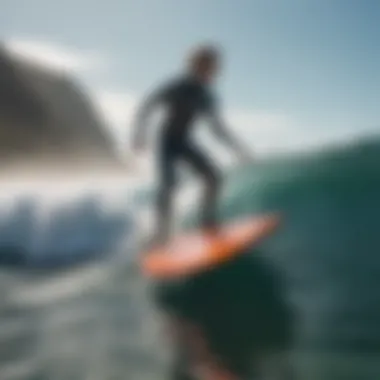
(144, 111)
(219, 128)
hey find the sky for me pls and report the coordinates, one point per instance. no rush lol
(296, 72)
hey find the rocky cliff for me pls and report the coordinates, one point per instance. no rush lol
(48, 122)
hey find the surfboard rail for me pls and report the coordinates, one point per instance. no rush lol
(198, 250)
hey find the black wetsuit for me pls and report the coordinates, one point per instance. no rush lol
(186, 100)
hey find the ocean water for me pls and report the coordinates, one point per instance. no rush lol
(73, 305)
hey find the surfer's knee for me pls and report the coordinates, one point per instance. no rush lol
(167, 187)
(213, 181)
(164, 196)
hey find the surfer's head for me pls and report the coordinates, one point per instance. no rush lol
(204, 62)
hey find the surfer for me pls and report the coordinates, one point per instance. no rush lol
(186, 98)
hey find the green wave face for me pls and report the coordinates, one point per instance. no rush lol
(313, 285)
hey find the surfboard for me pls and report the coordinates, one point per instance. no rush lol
(198, 250)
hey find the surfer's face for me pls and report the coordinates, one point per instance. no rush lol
(207, 70)
(204, 64)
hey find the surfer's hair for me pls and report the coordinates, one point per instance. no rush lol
(201, 55)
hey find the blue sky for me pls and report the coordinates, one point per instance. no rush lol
(296, 71)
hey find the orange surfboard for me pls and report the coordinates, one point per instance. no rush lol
(197, 251)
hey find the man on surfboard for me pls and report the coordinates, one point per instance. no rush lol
(186, 98)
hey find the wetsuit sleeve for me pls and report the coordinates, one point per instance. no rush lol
(159, 96)
(219, 128)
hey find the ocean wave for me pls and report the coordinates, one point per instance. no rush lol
(36, 234)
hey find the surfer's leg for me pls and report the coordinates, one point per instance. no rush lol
(166, 187)
(163, 214)
(204, 167)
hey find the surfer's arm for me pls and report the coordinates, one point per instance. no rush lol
(144, 111)
(221, 131)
